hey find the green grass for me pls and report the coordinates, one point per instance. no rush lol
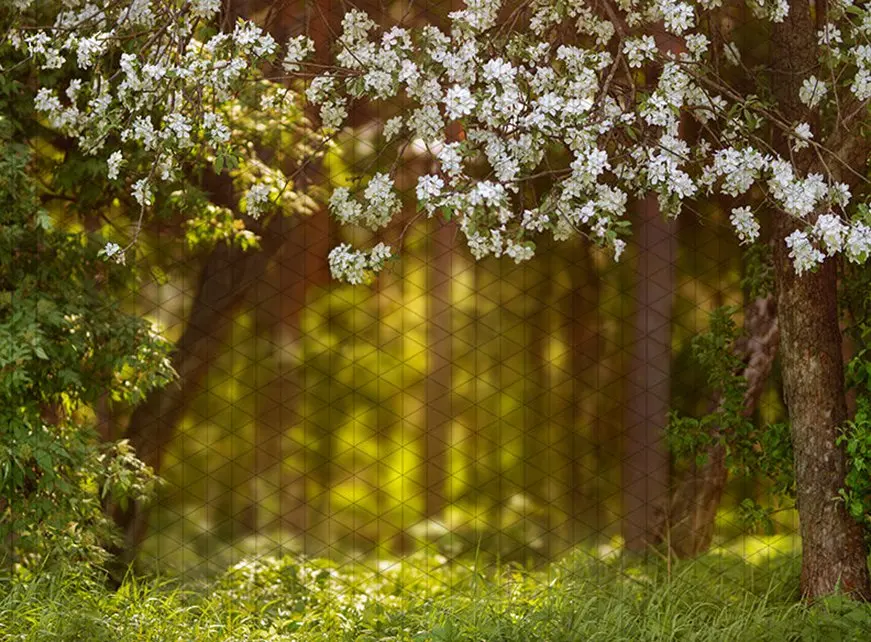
(718, 597)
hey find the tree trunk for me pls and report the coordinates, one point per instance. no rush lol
(834, 554)
(695, 501)
(438, 381)
(833, 551)
(224, 282)
(585, 423)
(645, 462)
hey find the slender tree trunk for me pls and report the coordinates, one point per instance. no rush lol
(645, 463)
(833, 551)
(585, 422)
(438, 381)
(695, 500)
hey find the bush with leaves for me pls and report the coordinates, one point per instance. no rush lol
(64, 343)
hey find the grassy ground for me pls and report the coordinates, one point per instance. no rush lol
(722, 596)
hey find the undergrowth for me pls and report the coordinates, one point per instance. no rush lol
(717, 597)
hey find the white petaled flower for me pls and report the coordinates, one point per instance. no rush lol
(697, 44)
(520, 252)
(392, 128)
(113, 251)
(383, 202)
(802, 135)
(379, 255)
(256, 197)
(89, 49)
(840, 194)
(114, 162)
(812, 91)
(217, 131)
(829, 35)
(639, 50)
(619, 248)
(344, 207)
(320, 88)
(459, 102)
(832, 232)
(802, 252)
(861, 85)
(450, 159)
(745, 224)
(333, 114)
(142, 192)
(429, 188)
(858, 243)
(205, 8)
(534, 220)
(298, 49)
(177, 124)
(347, 264)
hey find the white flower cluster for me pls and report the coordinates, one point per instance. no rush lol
(162, 98)
(519, 100)
(381, 205)
(256, 197)
(566, 124)
(804, 255)
(812, 91)
(745, 224)
(356, 266)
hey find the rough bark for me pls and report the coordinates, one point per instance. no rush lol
(695, 500)
(645, 460)
(833, 552)
(834, 555)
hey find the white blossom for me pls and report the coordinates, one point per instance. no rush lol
(116, 159)
(812, 91)
(802, 135)
(297, 50)
(804, 255)
(255, 198)
(459, 102)
(745, 224)
(831, 232)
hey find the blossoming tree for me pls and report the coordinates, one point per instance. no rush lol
(570, 109)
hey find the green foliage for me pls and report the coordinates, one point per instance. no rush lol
(758, 278)
(856, 441)
(64, 343)
(717, 597)
(750, 450)
(856, 435)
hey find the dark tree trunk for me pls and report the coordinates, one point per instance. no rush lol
(695, 500)
(833, 551)
(585, 423)
(645, 460)
(438, 381)
(224, 283)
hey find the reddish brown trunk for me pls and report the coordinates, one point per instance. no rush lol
(438, 381)
(833, 551)
(696, 499)
(645, 460)
(586, 424)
